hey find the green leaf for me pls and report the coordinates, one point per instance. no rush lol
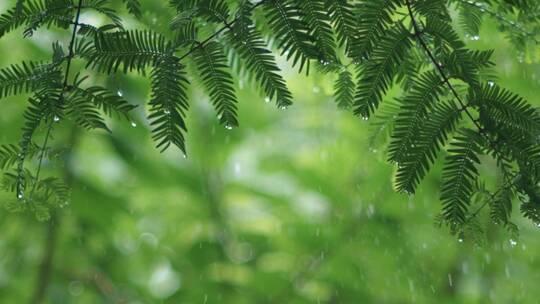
(414, 164)
(505, 107)
(26, 77)
(257, 59)
(126, 50)
(316, 17)
(36, 13)
(426, 90)
(377, 75)
(344, 89)
(459, 175)
(212, 64)
(285, 19)
(374, 18)
(134, 8)
(169, 104)
(342, 16)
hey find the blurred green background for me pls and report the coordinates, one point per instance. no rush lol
(295, 206)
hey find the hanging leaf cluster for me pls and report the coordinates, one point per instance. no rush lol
(450, 108)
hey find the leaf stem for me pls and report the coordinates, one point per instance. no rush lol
(64, 88)
(227, 26)
(464, 107)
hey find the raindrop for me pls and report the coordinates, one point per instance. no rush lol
(450, 283)
(119, 93)
(475, 38)
(133, 124)
(20, 195)
(316, 89)
(167, 111)
(228, 127)
(513, 242)
(184, 155)
(56, 118)
(267, 99)
(491, 84)
(283, 107)
(365, 118)
(460, 240)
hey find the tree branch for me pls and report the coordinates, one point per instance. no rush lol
(464, 107)
(64, 89)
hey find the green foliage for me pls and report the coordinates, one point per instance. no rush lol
(344, 88)
(169, 103)
(342, 16)
(212, 65)
(126, 50)
(459, 176)
(257, 59)
(36, 13)
(410, 47)
(134, 7)
(26, 77)
(292, 32)
(377, 75)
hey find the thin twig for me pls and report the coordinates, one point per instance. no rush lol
(464, 107)
(227, 26)
(501, 18)
(64, 89)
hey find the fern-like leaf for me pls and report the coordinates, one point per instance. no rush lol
(212, 64)
(26, 77)
(285, 20)
(84, 112)
(134, 7)
(318, 20)
(374, 19)
(258, 60)
(424, 93)
(379, 72)
(506, 108)
(459, 175)
(342, 16)
(35, 13)
(129, 50)
(344, 89)
(10, 154)
(421, 154)
(45, 106)
(169, 104)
